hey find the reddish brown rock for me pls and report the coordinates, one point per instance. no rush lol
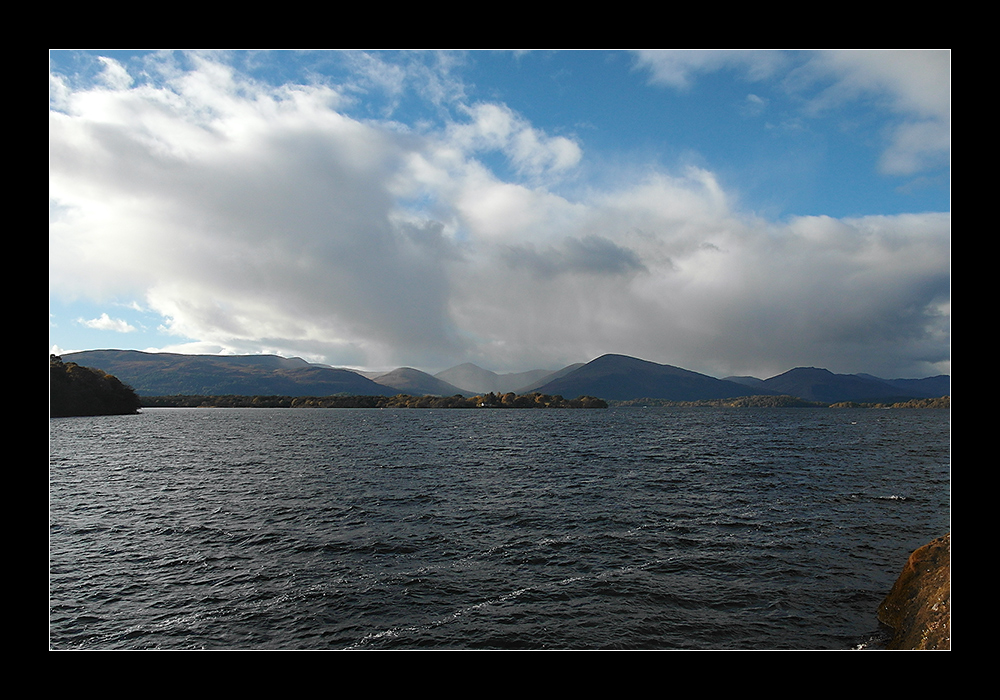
(918, 608)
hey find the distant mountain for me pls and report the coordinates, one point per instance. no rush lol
(815, 384)
(621, 378)
(928, 388)
(477, 380)
(471, 378)
(169, 374)
(550, 377)
(407, 380)
(747, 381)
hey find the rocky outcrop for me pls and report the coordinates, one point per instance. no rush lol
(918, 608)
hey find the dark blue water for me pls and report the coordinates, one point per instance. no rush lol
(487, 529)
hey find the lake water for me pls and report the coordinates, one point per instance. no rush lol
(658, 528)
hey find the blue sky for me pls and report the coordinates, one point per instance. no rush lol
(729, 212)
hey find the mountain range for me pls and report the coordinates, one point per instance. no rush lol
(610, 377)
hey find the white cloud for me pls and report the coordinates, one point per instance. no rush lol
(106, 323)
(114, 74)
(426, 74)
(532, 153)
(678, 68)
(913, 85)
(754, 105)
(241, 213)
(914, 82)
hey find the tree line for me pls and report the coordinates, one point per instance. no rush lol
(760, 401)
(783, 401)
(490, 400)
(940, 402)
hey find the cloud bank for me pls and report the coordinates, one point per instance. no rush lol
(262, 217)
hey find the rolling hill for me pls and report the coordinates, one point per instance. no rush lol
(928, 388)
(407, 380)
(816, 384)
(621, 378)
(168, 374)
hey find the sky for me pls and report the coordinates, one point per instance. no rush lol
(728, 212)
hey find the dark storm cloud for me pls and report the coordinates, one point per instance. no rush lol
(590, 255)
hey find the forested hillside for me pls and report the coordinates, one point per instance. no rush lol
(82, 391)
